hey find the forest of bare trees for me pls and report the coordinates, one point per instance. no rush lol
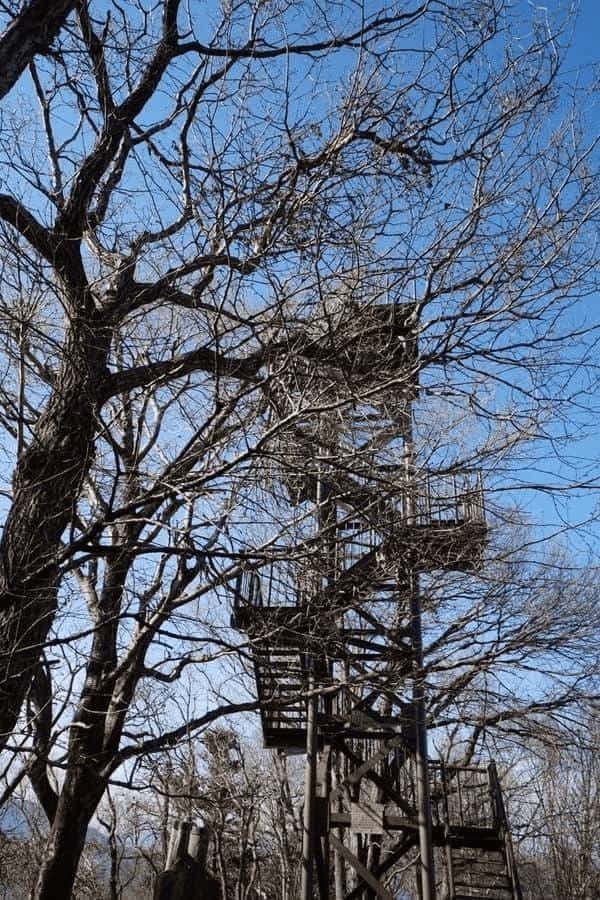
(200, 207)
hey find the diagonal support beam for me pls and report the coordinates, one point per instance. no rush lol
(358, 867)
(365, 770)
(407, 843)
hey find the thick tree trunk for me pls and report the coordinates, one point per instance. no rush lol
(46, 486)
(78, 802)
(31, 32)
(94, 739)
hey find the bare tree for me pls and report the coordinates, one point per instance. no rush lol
(516, 654)
(248, 804)
(214, 216)
(556, 809)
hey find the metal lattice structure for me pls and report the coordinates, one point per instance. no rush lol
(336, 645)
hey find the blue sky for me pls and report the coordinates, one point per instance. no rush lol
(574, 514)
(586, 35)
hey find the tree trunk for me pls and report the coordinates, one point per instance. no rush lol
(47, 483)
(78, 802)
(31, 32)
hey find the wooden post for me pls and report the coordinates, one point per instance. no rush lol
(447, 826)
(426, 878)
(323, 790)
(338, 863)
(421, 756)
(310, 782)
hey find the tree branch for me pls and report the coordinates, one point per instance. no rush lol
(200, 360)
(360, 37)
(40, 238)
(31, 33)
(73, 221)
(171, 738)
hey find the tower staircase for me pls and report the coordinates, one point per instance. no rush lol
(335, 647)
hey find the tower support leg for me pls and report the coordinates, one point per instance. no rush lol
(310, 784)
(426, 873)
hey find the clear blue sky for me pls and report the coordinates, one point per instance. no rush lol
(582, 66)
(586, 45)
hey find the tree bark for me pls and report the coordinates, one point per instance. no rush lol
(78, 801)
(47, 482)
(92, 744)
(31, 32)
(40, 710)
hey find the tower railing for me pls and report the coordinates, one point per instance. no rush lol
(433, 501)
(465, 797)
(436, 501)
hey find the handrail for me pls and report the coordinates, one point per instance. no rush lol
(437, 500)
(446, 824)
(503, 827)
(464, 794)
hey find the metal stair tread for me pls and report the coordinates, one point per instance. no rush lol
(462, 896)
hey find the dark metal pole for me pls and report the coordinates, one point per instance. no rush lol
(421, 755)
(310, 774)
(426, 870)
(310, 782)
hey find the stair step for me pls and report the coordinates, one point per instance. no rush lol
(490, 893)
(280, 670)
(288, 706)
(506, 895)
(480, 872)
(276, 675)
(282, 659)
(276, 666)
(473, 878)
(269, 671)
(478, 862)
(281, 665)
(286, 723)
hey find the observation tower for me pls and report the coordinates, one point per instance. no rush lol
(335, 632)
